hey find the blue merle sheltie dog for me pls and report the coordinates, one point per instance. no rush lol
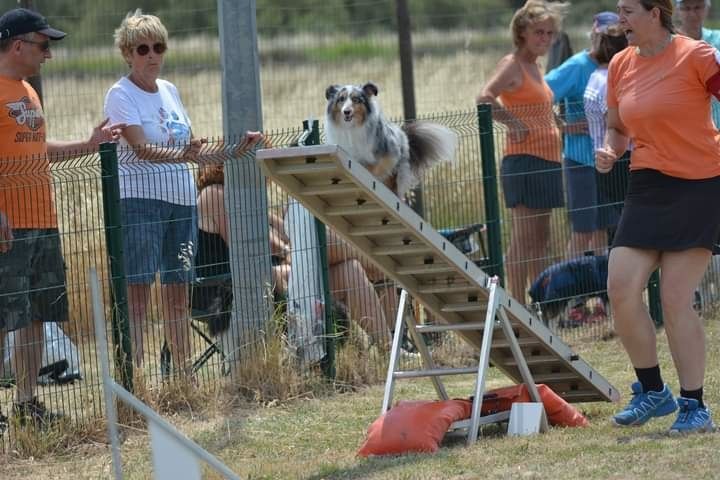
(396, 155)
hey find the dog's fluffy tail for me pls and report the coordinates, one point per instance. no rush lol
(430, 143)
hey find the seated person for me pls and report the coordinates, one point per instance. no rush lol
(351, 279)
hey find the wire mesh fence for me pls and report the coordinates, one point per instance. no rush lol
(565, 285)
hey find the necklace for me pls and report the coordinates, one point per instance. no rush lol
(654, 50)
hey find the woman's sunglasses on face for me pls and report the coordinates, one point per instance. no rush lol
(143, 49)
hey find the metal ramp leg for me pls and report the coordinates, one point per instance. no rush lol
(494, 317)
(425, 357)
(496, 312)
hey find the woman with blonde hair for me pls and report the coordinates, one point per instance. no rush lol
(531, 171)
(659, 97)
(157, 189)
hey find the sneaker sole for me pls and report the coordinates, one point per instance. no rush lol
(684, 433)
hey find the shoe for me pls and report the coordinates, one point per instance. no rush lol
(34, 411)
(692, 418)
(644, 406)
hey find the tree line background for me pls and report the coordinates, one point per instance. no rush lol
(91, 18)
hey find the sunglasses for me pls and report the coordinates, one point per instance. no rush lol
(143, 49)
(44, 45)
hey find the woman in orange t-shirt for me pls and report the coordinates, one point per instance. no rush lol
(658, 97)
(531, 173)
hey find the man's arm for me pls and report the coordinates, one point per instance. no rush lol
(63, 150)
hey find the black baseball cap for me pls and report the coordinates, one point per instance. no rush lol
(21, 20)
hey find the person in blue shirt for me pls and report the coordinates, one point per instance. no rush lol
(568, 81)
(692, 15)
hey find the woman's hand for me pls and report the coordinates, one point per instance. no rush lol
(105, 133)
(605, 158)
(248, 142)
(192, 150)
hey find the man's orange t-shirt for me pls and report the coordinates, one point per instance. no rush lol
(25, 180)
(663, 102)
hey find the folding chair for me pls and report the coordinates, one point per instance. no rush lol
(210, 304)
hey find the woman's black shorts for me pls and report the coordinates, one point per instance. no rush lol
(669, 213)
(531, 181)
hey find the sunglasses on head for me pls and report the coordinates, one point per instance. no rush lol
(44, 45)
(143, 49)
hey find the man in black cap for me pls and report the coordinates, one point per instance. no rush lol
(32, 271)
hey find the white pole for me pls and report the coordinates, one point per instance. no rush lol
(101, 342)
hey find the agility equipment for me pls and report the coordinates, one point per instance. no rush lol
(459, 294)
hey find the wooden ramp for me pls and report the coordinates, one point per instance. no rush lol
(363, 211)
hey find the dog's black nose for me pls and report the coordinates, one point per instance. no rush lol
(347, 111)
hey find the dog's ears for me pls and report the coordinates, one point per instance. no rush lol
(370, 89)
(331, 91)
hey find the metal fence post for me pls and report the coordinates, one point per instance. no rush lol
(490, 190)
(328, 363)
(113, 239)
(654, 301)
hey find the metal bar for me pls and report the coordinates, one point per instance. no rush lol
(425, 356)
(450, 327)
(484, 420)
(484, 362)
(152, 416)
(110, 388)
(490, 190)
(522, 367)
(328, 363)
(434, 372)
(394, 353)
(101, 342)
(114, 242)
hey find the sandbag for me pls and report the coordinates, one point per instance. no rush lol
(413, 426)
(559, 412)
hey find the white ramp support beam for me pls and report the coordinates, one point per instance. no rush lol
(174, 455)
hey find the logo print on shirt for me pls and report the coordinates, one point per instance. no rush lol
(25, 113)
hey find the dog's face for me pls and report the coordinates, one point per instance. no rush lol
(350, 105)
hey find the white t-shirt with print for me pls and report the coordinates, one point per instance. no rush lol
(165, 122)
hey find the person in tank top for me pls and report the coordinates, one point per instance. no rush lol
(531, 172)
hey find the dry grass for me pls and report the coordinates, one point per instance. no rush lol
(317, 437)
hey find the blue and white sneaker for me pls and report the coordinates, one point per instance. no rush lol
(645, 405)
(692, 418)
